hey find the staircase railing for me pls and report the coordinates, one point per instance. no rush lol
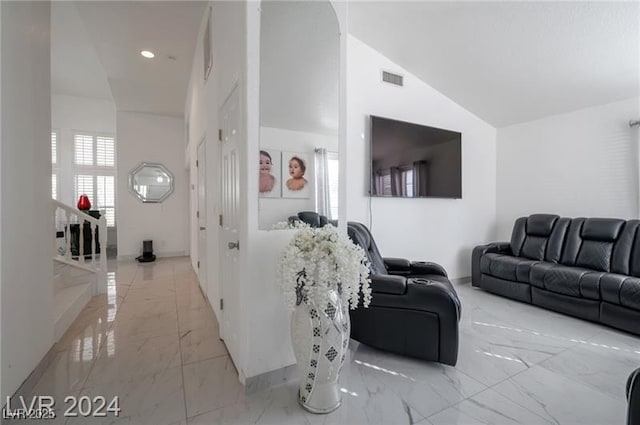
(72, 225)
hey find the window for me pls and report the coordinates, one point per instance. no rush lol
(407, 182)
(54, 186)
(94, 164)
(54, 148)
(83, 148)
(105, 152)
(334, 174)
(54, 164)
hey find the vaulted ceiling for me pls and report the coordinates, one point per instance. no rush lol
(510, 62)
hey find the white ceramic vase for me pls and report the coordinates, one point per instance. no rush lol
(320, 338)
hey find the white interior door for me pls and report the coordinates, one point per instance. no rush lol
(202, 215)
(229, 204)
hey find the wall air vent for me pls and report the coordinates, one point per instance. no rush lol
(391, 78)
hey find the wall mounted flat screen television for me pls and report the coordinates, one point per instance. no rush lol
(414, 161)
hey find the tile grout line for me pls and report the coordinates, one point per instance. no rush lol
(184, 387)
(101, 347)
(575, 344)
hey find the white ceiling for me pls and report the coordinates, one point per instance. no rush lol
(511, 62)
(299, 66)
(506, 62)
(112, 34)
(75, 66)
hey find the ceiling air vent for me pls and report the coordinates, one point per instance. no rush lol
(390, 78)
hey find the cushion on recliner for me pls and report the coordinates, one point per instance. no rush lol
(621, 290)
(572, 242)
(540, 224)
(538, 230)
(556, 240)
(564, 280)
(523, 270)
(602, 229)
(360, 235)
(621, 257)
(595, 255)
(598, 236)
(506, 267)
(518, 235)
(573, 281)
(498, 265)
(534, 247)
(634, 260)
(630, 293)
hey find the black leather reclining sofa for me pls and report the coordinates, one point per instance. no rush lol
(584, 267)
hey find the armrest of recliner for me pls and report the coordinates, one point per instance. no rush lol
(388, 284)
(425, 267)
(479, 251)
(633, 398)
(397, 265)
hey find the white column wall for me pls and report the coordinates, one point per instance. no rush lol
(26, 220)
(204, 100)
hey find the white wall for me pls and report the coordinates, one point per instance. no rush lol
(203, 103)
(580, 164)
(26, 277)
(151, 138)
(2, 392)
(263, 325)
(440, 230)
(273, 210)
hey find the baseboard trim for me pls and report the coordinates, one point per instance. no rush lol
(461, 280)
(158, 255)
(26, 389)
(271, 379)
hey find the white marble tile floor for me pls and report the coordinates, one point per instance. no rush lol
(154, 342)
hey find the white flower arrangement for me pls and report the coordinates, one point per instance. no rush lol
(318, 260)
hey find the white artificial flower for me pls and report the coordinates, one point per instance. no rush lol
(319, 260)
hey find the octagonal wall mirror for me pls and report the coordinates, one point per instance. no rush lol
(151, 182)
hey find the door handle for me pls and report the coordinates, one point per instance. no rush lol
(234, 245)
(203, 228)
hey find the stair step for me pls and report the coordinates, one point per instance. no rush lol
(68, 302)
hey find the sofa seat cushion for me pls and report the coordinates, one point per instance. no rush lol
(507, 267)
(621, 290)
(573, 281)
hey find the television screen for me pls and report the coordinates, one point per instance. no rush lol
(414, 161)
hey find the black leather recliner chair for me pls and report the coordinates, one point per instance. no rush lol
(312, 218)
(414, 309)
(633, 398)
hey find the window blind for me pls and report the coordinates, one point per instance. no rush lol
(84, 186)
(54, 147)
(105, 151)
(83, 146)
(106, 198)
(95, 160)
(54, 186)
(334, 174)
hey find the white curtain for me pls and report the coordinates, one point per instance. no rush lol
(323, 204)
(420, 175)
(396, 182)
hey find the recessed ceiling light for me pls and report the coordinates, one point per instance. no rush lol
(147, 54)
